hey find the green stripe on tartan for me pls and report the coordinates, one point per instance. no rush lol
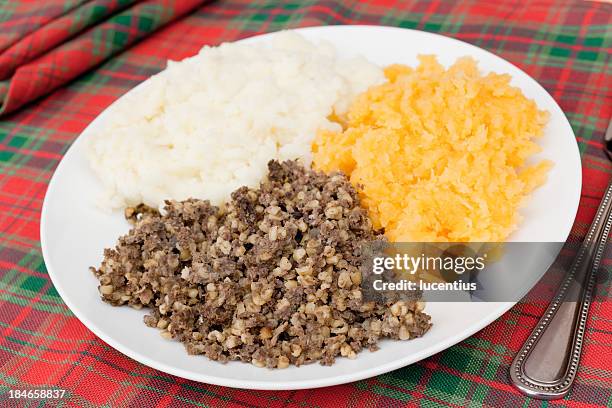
(28, 285)
(45, 348)
(11, 290)
(17, 139)
(25, 129)
(492, 367)
(431, 404)
(446, 387)
(410, 376)
(164, 378)
(46, 336)
(44, 307)
(547, 55)
(8, 379)
(443, 385)
(463, 359)
(7, 11)
(594, 32)
(479, 394)
(404, 396)
(29, 356)
(485, 344)
(558, 54)
(177, 397)
(11, 162)
(455, 26)
(30, 260)
(123, 382)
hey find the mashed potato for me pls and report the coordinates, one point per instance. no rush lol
(439, 155)
(209, 124)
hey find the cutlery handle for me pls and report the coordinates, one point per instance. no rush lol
(546, 365)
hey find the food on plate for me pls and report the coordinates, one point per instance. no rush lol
(439, 154)
(256, 255)
(271, 277)
(209, 124)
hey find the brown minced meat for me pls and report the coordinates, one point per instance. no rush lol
(271, 278)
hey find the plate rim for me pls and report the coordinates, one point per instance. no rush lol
(499, 309)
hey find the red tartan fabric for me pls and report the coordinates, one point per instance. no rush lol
(62, 64)
(27, 16)
(564, 44)
(56, 32)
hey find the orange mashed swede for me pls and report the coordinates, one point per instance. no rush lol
(439, 154)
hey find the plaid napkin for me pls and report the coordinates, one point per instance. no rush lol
(566, 45)
(55, 49)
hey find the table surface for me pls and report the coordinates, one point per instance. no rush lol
(564, 45)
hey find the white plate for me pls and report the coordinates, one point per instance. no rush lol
(74, 232)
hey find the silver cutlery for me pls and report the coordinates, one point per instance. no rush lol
(546, 365)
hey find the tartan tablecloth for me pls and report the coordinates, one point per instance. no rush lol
(565, 45)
